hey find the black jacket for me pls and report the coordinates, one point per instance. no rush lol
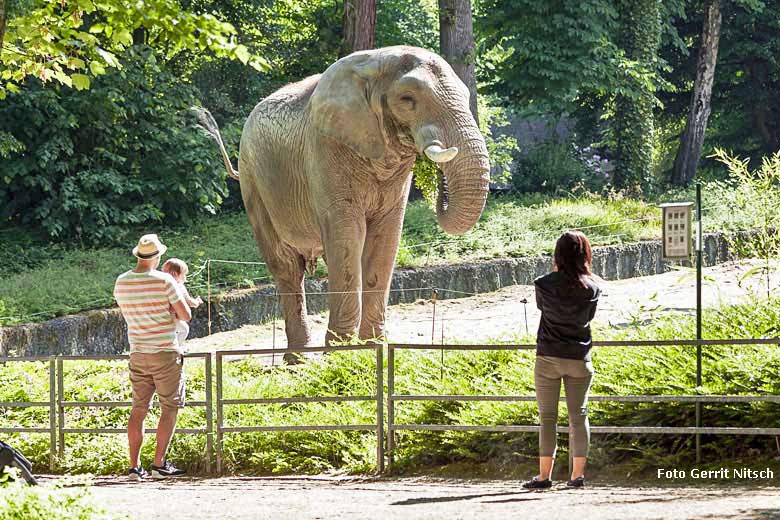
(567, 310)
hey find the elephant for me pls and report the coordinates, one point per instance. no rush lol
(325, 168)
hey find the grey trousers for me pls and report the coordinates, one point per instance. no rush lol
(577, 376)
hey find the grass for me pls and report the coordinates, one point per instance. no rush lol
(62, 500)
(620, 371)
(39, 280)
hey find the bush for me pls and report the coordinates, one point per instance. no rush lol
(94, 162)
(21, 502)
(560, 167)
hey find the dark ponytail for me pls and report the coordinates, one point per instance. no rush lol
(573, 256)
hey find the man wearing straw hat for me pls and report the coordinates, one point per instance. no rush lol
(150, 301)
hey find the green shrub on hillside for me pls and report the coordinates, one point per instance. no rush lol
(96, 162)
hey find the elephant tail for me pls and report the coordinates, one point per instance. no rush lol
(209, 125)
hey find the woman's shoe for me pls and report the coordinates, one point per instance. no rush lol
(578, 482)
(535, 483)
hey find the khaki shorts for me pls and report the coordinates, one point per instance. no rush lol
(163, 373)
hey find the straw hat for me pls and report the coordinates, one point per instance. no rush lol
(149, 246)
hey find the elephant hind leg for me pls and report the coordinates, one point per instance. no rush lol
(287, 266)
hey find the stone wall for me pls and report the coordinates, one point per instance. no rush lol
(104, 331)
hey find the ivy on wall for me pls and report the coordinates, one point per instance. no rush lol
(634, 123)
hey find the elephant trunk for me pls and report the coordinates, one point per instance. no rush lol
(464, 185)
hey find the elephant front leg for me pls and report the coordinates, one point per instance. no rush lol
(379, 252)
(344, 233)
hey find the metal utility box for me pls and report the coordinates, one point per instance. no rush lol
(677, 230)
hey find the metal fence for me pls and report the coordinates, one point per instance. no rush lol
(385, 437)
(698, 429)
(57, 406)
(378, 427)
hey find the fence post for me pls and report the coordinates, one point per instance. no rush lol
(390, 403)
(434, 295)
(380, 416)
(219, 413)
(209, 413)
(60, 408)
(699, 250)
(52, 413)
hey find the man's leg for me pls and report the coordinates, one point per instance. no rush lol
(169, 380)
(165, 430)
(142, 384)
(135, 435)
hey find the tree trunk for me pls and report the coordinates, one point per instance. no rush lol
(687, 159)
(358, 24)
(456, 37)
(2, 22)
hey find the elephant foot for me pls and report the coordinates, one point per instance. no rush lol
(293, 358)
(374, 335)
(336, 338)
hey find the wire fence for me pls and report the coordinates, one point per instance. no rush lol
(385, 427)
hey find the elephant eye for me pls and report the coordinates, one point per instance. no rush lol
(408, 101)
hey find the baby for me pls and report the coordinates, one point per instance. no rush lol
(178, 270)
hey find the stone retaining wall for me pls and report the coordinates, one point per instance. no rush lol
(104, 331)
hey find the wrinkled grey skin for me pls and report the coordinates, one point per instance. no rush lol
(325, 170)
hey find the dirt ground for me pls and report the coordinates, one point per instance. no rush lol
(387, 499)
(501, 316)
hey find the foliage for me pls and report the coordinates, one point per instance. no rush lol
(65, 40)
(560, 167)
(745, 110)
(407, 22)
(738, 370)
(21, 502)
(95, 162)
(298, 38)
(758, 195)
(53, 280)
(634, 120)
(567, 57)
(545, 55)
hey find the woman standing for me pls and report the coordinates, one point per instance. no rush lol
(567, 298)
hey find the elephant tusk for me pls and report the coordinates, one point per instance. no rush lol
(438, 154)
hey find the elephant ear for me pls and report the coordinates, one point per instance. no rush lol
(341, 109)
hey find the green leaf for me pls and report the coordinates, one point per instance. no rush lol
(80, 81)
(96, 68)
(242, 53)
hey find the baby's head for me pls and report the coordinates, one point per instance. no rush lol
(176, 268)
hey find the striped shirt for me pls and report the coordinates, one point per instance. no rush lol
(145, 300)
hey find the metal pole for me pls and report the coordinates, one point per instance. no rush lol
(380, 416)
(52, 413)
(699, 248)
(60, 408)
(209, 415)
(273, 326)
(524, 301)
(390, 403)
(434, 294)
(219, 413)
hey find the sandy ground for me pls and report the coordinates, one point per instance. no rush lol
(501, 316)
(348, 498)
